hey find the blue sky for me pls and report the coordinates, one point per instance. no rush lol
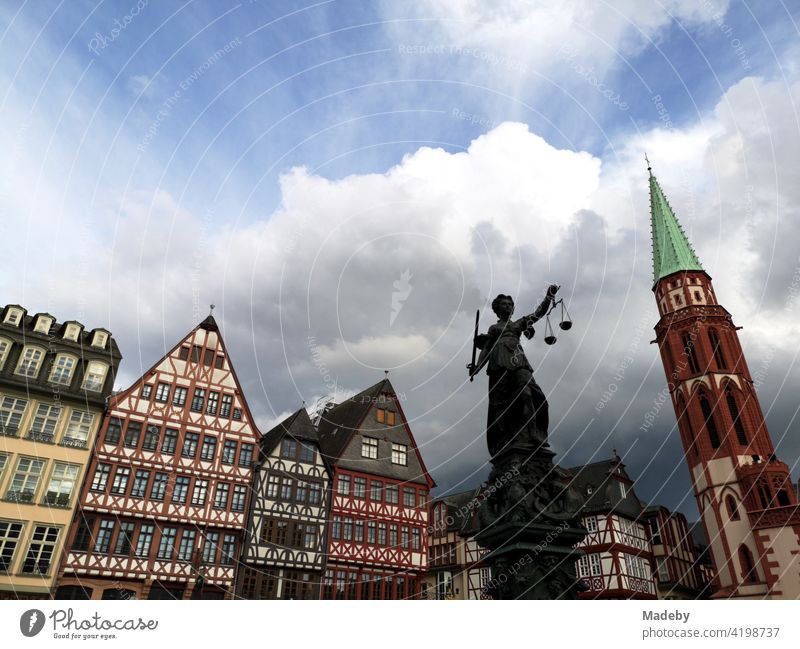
(259, 155)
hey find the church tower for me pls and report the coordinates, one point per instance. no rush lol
(745, 495)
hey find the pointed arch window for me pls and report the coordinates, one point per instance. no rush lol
(764, 495)
(716, 347)
(690, 353)
(733, 509)
(711, 424)
(733, 409)
(748, 567)
(686, 424)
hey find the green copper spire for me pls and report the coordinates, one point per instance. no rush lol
(672, 251)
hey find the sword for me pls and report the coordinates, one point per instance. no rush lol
(471, 364)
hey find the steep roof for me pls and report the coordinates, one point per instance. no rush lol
(672, 251)
(337, 425)
(598, 484)
(297, 425)
(461, 511)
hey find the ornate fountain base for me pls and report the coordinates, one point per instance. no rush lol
(529, 523)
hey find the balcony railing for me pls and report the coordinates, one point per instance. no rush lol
(41, 436)
(74, 442)
(56, 500)
(24, 496)
(8, 431)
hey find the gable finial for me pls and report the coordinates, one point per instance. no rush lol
(386, 373)
(211, 311)
(650, 171)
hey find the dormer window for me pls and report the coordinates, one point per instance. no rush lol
(30, 361)
(63, 369)
(5, 347)
(95, 376)
(99, 339)
(72, 332)
(385, 416)
(13, 316)
(623, 489)
(43, 324)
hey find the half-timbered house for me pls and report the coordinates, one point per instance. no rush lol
(378, 536)
(285, 545)
(164, 505)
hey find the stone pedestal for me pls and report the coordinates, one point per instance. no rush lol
(529, 523)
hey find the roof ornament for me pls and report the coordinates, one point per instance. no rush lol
(650, 171)
(211, 311)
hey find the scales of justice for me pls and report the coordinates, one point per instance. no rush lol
(528, 516)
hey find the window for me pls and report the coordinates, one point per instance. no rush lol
(246, 455)
(78, 428)
(120, 483)
(748, 567)
(314, 493)
(590, 523)
(166, 547)
(72, 331)
(151, 437)
(187, 545)
(392, 536)
(359, 531)
(662, 570)
(183, 354)
(382, 534)
(62, 484)
(221, 495)
(219, 362)
(733, 409)
(25, 480)
(198, 399)
(124, 539)
(423, 499)
(11, 411)
(336, 528)
(162, 392)
(113, 431)
(195, 354)
(179, 396)
(711, 425)
(733, 510)
(43, 428)
(181, 489)
(286, 488)
(104, 533)
(690, 353)
(227, 402)
(83, 535)
(716, 348)
(10, 533)
(385, 416)
(360, 488)
(144, 540)
(310, 537)
(99, 339)
(594, 562)
(100, 479)
(5, 346)
(239, 495)
(95, 376)
(43, 325)
(409, 497)
(210, 547)
(170, 441)
(208, 357)
(213, 403)
(159, 486)
(199, 493)
(623, 489)
(405, 538)
(140, 481)
(301, 492)
(237, 414)
(399, 454)
(13, 316)
(347, 529)
(30, 361)
(371, 532)
(307, 453)
(63, 369)
(229, 451)
(190, 444)
(343, 488)
(40, 551)
(273, 485)
(3, 461)
(415, 539)
(288, 448)
(228, 550)
(146, 392)
(267, 531)
(392, 493)
(369, 448)
(376, 491)
(209, 448)
(132, 433)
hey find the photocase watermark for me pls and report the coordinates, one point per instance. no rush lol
(102, 41)
(570, 53)
(473, 118)
(402, 289)
(66, 626)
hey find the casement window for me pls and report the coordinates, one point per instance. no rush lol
(360, 488)
(358, 531)
(594, 563)
(152, 436)
(213, 403)
(716, 348)
(221, 495)
(382, 534)
(121, 477)
(102, 542)
(100, 478)
(190, 444)
(208, 357)
(246, 455)
(183, 353)
(78, 428)
(733, 410)
(11, 411)
(13, 317)
(273, 485)
(347, 529)
(225, 409)
(301, 491)
(371, 532)
(662, 570)
(336, 528)
(43, 325)
(5, 347)
(591, 523)
(369, 448)
(409, 497)
(159, 487)
(623, 489)
(132, 433)
(95, 376)
(314, 493)
(140, 480)
(3, 463)
(198, 399)
(181, 490)
(72, 332)
(297, 535)
(186, 549)
(209, 448)
(393, 536)
(147, 391)
(166, 546)
(200, 492)
(195, 357)
(219, 362)
(392, 494)
(144, 540)
(83, 535)
(307, 453)
(228, 550)
(170, 441)
(43, 427)
(711, 424)
(385, 416)
(63, 369)
(38, 559)
(343, 485)
(30, 361)
(288, 448)
(162, 392)
(239, 496)
(310, 537)
(113, 431)
(229, 451)
(400, 454)
(583, 566)
(179, 396)
(423, 499)
(10, 534)
(267, 531)
(286, 488)
(25, 480)
(376, 491)
(124, 539)
(405, 538)
(237, 414)
(210, 547)
(415, 539)
(99, 339)
(62, 484)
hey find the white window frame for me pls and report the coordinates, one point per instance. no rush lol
(595, 565)
(369, 448)
(400, 451)
(72, 332)
(5, 348)
(43, 324)
(47, 417)
(65, 371)
(13, 316)
(99, 339)
(79, 426)
(27, 475)
(591, 523)
(91, 373)
(62, 482)
(27, 362)
(10, 410)
(45, 545)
